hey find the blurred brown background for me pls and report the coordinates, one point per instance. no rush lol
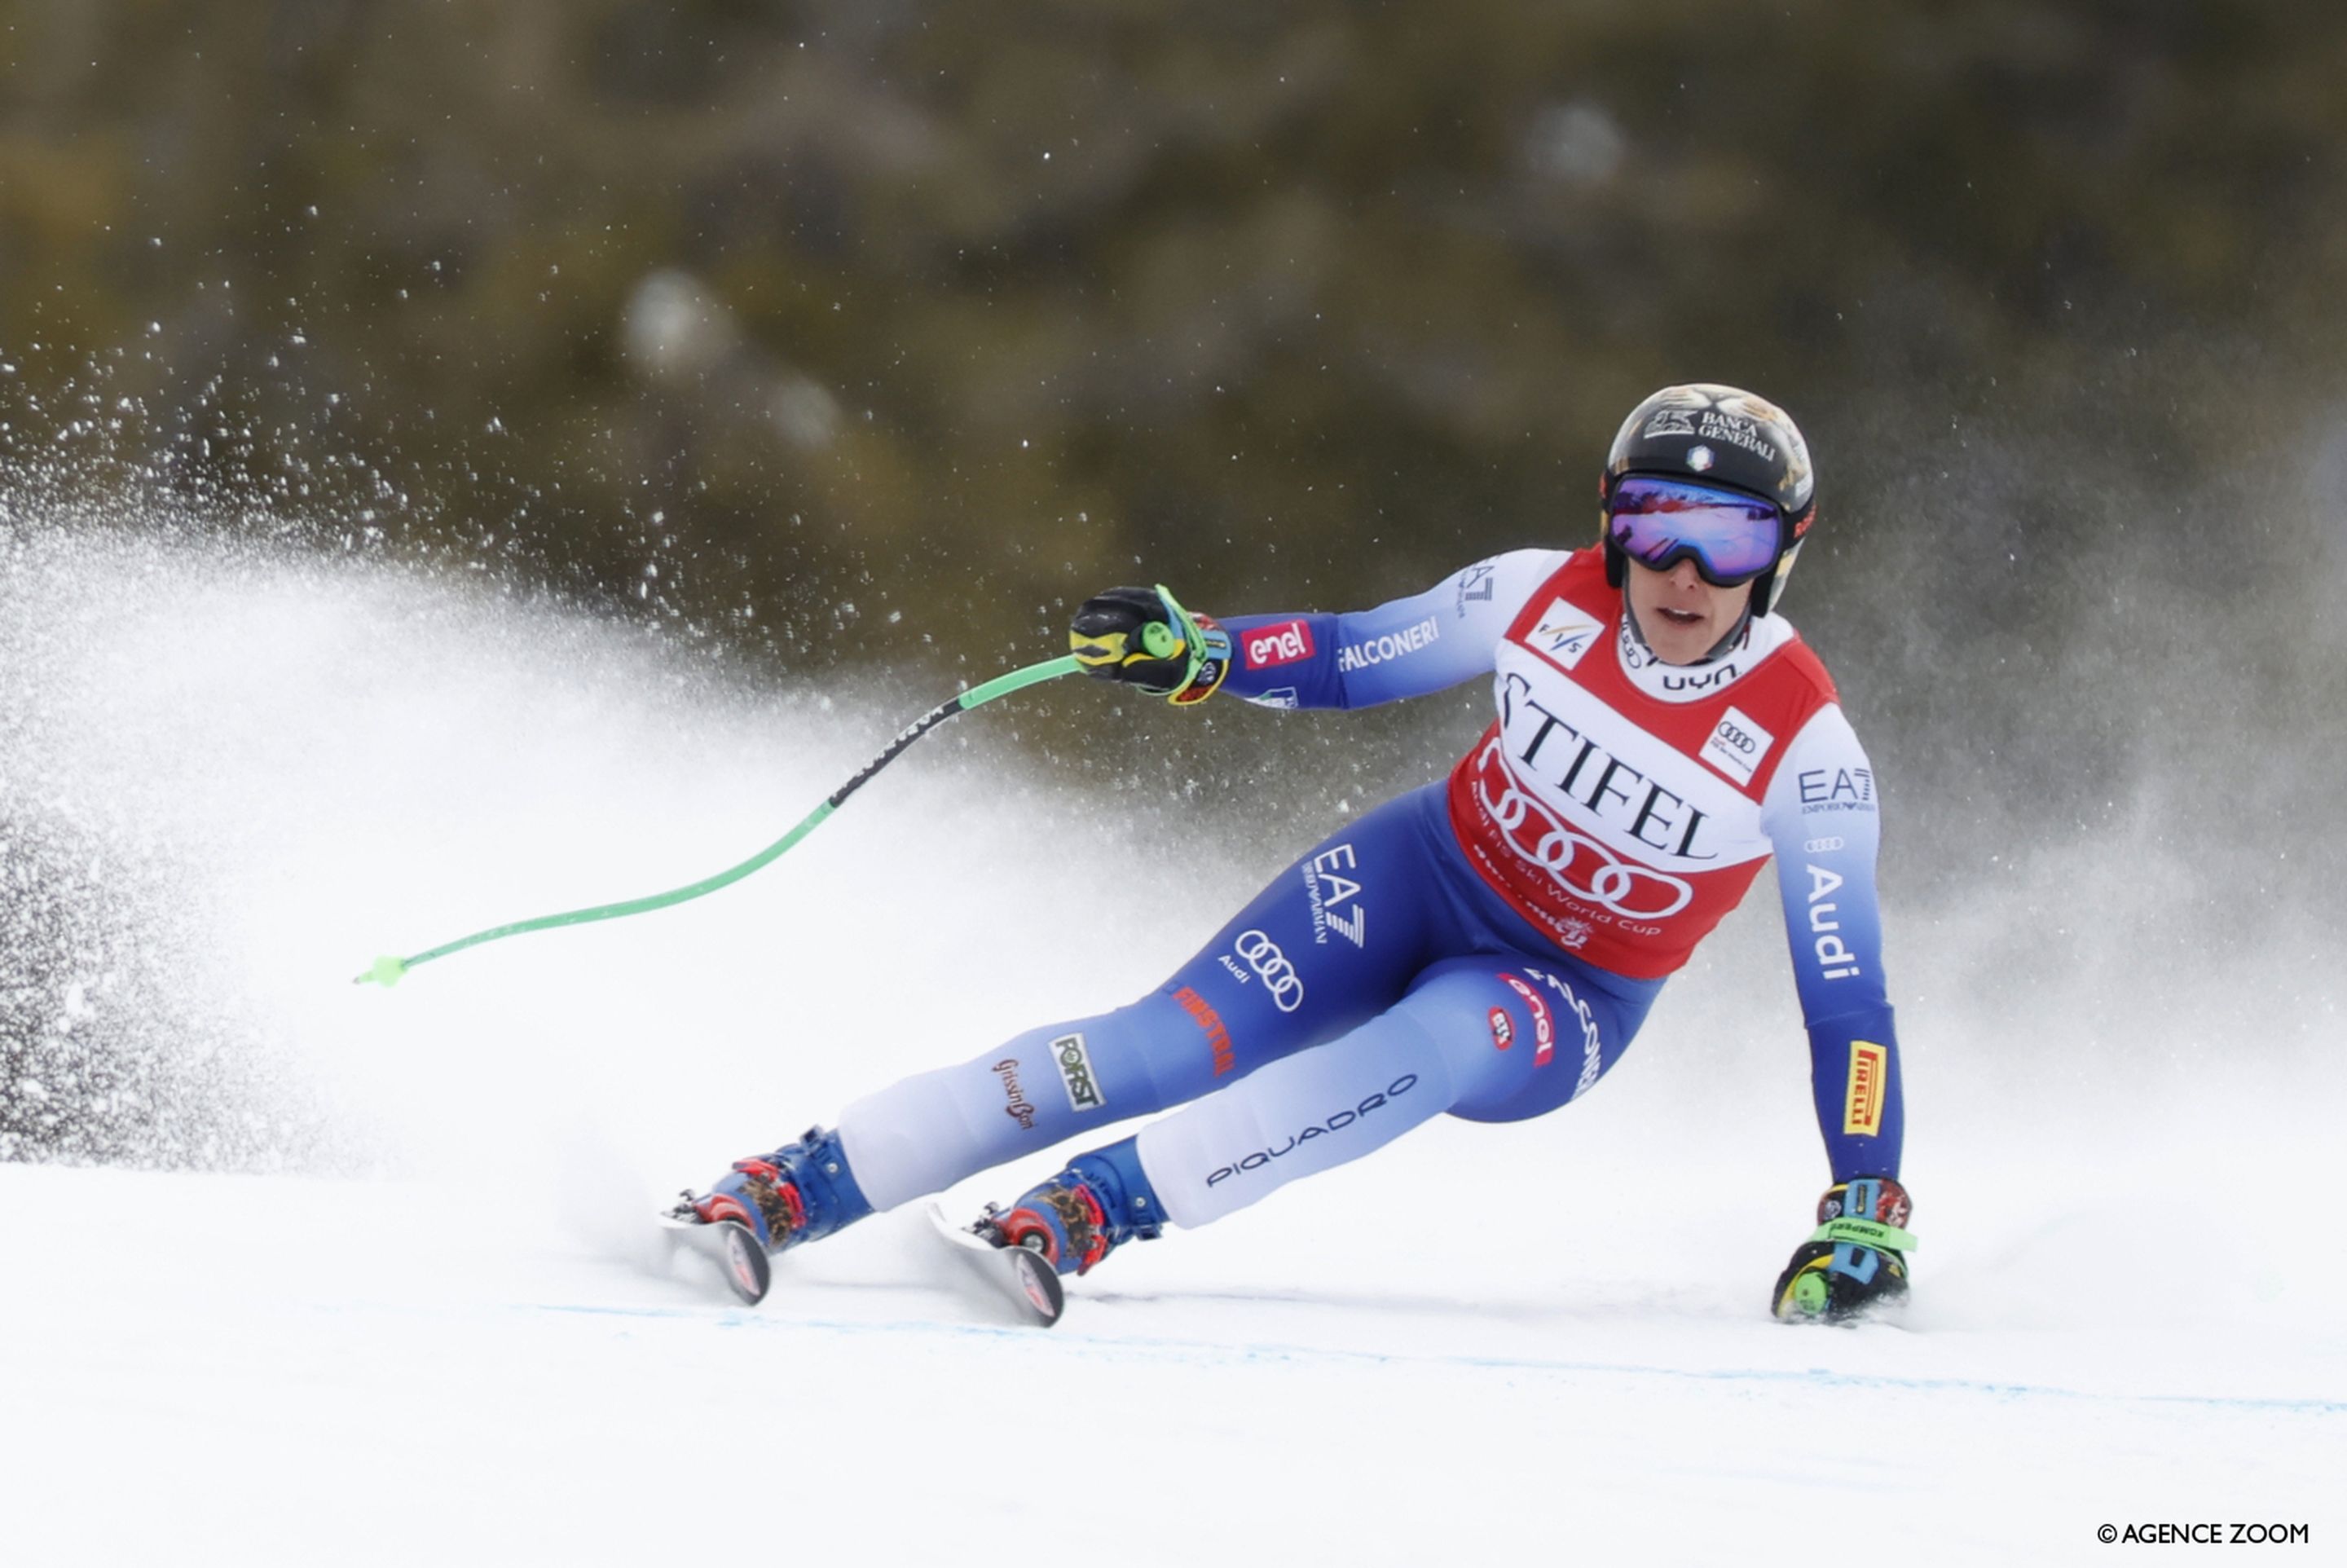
(860, 339)
(881, 332)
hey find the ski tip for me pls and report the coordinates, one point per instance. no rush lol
(748, 1269)
(748, 1272)
(1041, 1284)
(1020, 1274)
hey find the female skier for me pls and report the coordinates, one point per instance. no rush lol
(1486, 945)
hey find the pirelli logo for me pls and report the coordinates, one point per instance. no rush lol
(1861, 1108)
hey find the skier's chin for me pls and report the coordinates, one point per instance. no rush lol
(1679, 636)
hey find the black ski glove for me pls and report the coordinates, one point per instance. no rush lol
(1141, 637)
(1856, 1261)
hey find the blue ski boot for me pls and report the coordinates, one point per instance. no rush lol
(1081, 1216)
(802, 1191)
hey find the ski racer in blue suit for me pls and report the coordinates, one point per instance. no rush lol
(1486, 945)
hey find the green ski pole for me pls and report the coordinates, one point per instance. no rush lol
(387, 970)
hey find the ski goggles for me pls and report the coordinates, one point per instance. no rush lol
(1732, 537)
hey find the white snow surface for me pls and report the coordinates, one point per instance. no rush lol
(444, 1340)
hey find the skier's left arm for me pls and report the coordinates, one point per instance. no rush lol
(1822, 814)
(1823, 818)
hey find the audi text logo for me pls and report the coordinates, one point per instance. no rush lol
(1581, 866)
(1262, 955)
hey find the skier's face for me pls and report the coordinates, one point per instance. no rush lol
(1683, 617)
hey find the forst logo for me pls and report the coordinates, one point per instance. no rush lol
(1268, 646)
(1075, 1063)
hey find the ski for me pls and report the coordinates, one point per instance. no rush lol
(730, 1247)
(1014, 1272)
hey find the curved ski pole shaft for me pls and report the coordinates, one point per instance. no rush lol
(387, 970)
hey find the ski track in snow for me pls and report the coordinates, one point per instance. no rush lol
(452, 1338)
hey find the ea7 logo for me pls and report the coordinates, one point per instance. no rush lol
(1475, 584)
(1838, 786)
(1075, 1063)
(1336, 897)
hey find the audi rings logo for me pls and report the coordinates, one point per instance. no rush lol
(1581, 866)
(1263, 955)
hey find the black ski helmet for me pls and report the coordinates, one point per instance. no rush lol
(1718, 435)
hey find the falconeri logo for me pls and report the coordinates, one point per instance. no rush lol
(1393, 645)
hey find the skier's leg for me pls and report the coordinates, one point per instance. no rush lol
(1332, 941)
(1490, 1036)
(1487, 1037)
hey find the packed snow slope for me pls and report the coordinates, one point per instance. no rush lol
(428, 1321)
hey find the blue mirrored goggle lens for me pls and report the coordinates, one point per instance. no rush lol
(1731, 538)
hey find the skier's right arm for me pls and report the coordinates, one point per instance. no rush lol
(1407, 648)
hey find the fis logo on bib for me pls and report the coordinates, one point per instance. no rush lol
(1565, 634)
(1075, 1063)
